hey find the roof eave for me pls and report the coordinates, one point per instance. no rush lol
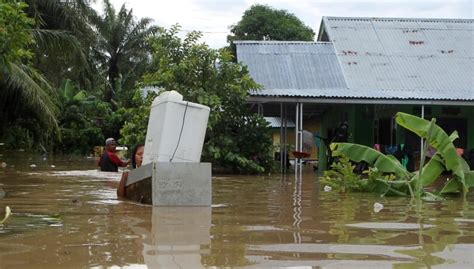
(374, 101)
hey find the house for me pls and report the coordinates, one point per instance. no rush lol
(364, 70)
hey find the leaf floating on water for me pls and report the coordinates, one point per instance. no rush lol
(8, 212)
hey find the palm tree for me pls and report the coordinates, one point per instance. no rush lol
(64, 41)
(122, 46)
(27, 98)
(21, 86)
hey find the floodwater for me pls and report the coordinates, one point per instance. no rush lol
(68, 216)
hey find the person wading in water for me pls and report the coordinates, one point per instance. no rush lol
(136, 159)
(109, 161)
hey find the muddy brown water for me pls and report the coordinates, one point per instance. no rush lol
(68, 216)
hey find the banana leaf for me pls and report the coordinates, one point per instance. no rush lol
(67, 91)
(469, 179)
(357, 153)
(435, 167)
(431, 171)
(468, 174)
(438, 140)
(80, 96)
(451, 186)
(454, 185)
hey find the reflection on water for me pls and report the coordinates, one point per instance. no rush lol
(68, 217)
(176, 237)
(89, 174)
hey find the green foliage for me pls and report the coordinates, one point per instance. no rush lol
(65, 43)
(341, 176)
(399, 181)
(21, 135)
(243, 145)
(44, 43)
(83, 120)
(376, 181)
(27, 101)
(431, 171)
(439, 140)
(134, 129)
(237, 139)
(358, 153)
(122, 49)
(14, 34)
(261, 22)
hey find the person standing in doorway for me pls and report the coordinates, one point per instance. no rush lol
(109, 161)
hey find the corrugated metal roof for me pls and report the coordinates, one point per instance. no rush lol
(293, 68)
(276, 122)
(397, 58)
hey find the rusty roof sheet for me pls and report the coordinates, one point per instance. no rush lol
(397, 58)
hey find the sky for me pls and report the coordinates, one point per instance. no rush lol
(213, 18)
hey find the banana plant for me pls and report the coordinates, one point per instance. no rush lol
(446, 159)
(383, 163)
(443, 145)
(358, 153)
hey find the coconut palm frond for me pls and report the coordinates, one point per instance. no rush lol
(63, 38)
(54, 40)
(34, 90)
(141, 31)
(121, 43)
(55, 47)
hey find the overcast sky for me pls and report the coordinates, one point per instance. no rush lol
(213, 18)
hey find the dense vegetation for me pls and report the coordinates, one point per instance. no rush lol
(70, 77)
(387, 176)
(262, 22)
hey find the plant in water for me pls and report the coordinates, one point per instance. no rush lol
(392, 178)
(446, 157)
(342, 177)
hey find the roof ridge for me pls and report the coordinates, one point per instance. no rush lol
(458, 20)
(273, 42)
